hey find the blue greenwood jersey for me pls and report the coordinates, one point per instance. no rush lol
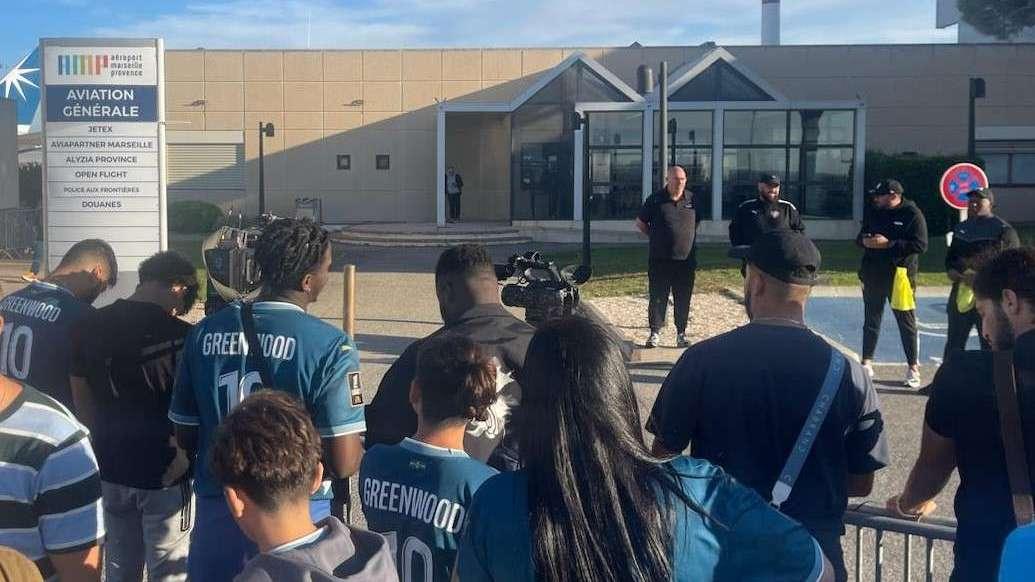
(37, 339)
(754, 541)
(417, 495)
(306, 357)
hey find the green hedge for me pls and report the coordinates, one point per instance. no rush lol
(194, 217)
(920, 177)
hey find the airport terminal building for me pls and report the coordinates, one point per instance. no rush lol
(371, 133)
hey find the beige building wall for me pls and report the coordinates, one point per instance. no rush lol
(364, 103)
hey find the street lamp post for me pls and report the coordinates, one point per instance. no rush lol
(265, 130)
(977, 91)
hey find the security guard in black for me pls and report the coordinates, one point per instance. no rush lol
(669, 218)
(765, 213)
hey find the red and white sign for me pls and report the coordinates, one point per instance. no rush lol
(960, 179)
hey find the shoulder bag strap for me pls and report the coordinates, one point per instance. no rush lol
(254, 358)
(1013, 437)
(807, 437)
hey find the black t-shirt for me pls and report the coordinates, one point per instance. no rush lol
(741, 400)
(672, 225)
(962, 407)
(128, 352)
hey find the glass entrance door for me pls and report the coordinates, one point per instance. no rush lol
(614, 163)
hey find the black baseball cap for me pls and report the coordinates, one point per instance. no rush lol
(985, 193)
(784, 254)
(885, 187)
(771, 179)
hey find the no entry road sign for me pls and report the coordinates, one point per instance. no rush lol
(960, 179)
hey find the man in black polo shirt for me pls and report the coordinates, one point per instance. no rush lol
(739, 399)
(961, 423)
(669, 219)
(765, 213)
(124, 362)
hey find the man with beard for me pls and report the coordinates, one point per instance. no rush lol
(745, 413)
(961, 423)
(37, 339)
(764, 213)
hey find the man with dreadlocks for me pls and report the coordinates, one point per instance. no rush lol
(273, 344)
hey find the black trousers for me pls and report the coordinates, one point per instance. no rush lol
(677, 278)
(454, 206)
(960, 325)
(876, 293)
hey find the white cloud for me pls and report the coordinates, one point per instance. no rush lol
(478, 23)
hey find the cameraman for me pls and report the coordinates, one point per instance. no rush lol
(469, 301)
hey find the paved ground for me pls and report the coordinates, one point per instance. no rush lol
(396, 304)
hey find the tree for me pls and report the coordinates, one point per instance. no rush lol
(1002, 19)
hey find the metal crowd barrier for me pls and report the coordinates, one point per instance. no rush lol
(18, 228)
(881, 521)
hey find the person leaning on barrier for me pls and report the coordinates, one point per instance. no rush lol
(893, 236)
(738, 399)
(961, 423)
(469, 302)
(592, 503)
(974, 239)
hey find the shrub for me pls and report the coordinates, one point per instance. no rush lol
(920, 177)
(194, 217)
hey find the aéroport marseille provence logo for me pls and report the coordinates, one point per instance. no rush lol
(82, 65)
(22, 84)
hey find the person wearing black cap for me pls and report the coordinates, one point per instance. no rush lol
(893, 236)
(764, 213)
(669, 218)
(975, 240)
(738, 399)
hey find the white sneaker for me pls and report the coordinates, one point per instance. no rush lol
(868, 368)
(913, 378)
(653, 340)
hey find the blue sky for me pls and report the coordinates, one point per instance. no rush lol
(473, 23)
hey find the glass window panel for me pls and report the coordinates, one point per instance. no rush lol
(1023, 169)
(615, 183)
(720, 82)
(828, 188)
(616, 128)
(593, 88)
(692, 127)
(812, 127)
(733, 86)
(755, 128)
(997, 168)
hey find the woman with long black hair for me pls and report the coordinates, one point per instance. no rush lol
(591, 503)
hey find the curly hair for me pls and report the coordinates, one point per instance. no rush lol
(457, 379)
(464, 259)
(1012, 269)
(287, 250)
(268, 447)
(168, 267)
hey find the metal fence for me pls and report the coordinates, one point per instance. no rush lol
(18, 232)
(935, 535)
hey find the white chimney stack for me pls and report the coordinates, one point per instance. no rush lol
(770, 22)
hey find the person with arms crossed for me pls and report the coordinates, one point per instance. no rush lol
(266, 456)
(764, 213)
(43, 314)
(981, 235)
(669, 219)
(455, 383)
(123, 368)
(290, 351)
(739, 399)
(49, 485)
(893, 236)
(469, 303)
(962, 421)
(454, 192)
(592, 503)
